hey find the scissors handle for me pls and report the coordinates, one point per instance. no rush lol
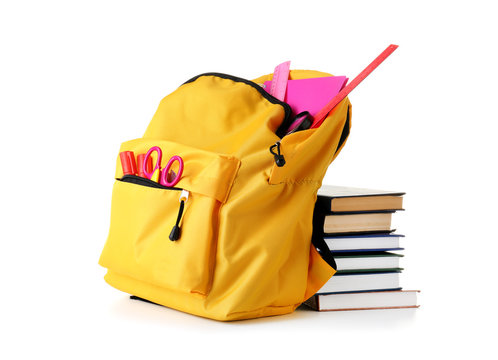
(165, 172)
(158, 162)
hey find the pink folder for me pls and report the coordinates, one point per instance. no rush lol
(311, 94)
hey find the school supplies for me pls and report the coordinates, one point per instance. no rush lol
(302, 121)
(322, 114)
(247, 248)
(246, 227)
(278, 86)
(141, 165)
(364, 265)
(311, 94)
(128, 162)
(166, 176)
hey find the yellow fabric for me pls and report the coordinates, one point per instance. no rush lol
(245, 246)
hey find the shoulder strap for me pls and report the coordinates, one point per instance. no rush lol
(317, 237)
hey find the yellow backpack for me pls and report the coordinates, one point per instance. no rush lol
(241, 229)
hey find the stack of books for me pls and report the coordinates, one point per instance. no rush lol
(357, 229)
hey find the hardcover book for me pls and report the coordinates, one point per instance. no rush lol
(367, 261)
(351, 199)
(364, 300)
(363, 242)
(357, 223)
(361, 282)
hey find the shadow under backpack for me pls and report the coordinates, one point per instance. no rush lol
(248, 239)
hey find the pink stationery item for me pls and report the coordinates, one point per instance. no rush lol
(278, 85)
(128, 162)
(141, 166)
(311, 94)
(322, 114)
(302, 121)
(165, 176)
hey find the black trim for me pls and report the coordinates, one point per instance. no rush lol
(282, 129)
(357, 212)
(305, 124)
(345, 130)
(138, 180)
(370, 232)
(133, 297)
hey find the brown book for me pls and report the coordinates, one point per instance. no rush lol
(350, 223)
(350, 199)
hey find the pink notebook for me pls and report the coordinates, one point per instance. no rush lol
(311, 94)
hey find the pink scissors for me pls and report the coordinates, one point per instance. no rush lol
(162, 176)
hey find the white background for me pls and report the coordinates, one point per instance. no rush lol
(78, 78)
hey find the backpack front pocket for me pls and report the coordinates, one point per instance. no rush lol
(167, 236)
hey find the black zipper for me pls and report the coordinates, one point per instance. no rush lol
(277, 156)
(282, 129)
(134, 179)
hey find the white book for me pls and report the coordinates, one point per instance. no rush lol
(361, 282)
(367, 261)
(364, 242)
(364, 301)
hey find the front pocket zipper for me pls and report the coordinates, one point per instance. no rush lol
(134, 179)
(138, 180)
(163, 236)
(176, 231)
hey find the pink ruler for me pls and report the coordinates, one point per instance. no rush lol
(279, 80)
(322, 114)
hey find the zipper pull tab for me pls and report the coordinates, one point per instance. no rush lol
(279, 158)
(175, 232)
